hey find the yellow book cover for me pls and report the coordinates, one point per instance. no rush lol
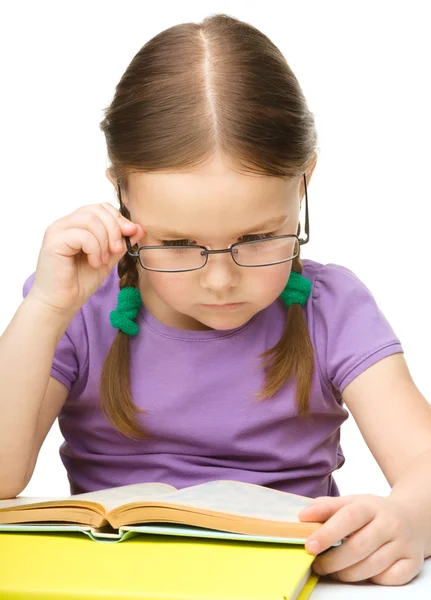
(54, 566)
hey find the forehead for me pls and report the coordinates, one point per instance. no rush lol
(210, 201)
(215, 174)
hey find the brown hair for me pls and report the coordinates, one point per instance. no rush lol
(193, 91)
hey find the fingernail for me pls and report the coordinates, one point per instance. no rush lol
(313, 547)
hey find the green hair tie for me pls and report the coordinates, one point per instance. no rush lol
(297, 290)
(129, 303)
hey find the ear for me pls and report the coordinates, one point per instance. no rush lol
(111, 178)
(311, 168)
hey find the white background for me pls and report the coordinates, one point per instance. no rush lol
(364, 68)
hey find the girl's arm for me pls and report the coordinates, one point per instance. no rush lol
(386, 538)
(27, 349)
(395, 421)
(392, 415)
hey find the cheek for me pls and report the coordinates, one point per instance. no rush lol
(174, 289)
(270, 282)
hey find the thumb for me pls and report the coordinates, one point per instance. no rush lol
(138, 234)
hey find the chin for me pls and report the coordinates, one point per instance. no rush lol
(226, 321)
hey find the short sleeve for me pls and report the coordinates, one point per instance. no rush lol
(70, 356)
(350, 331)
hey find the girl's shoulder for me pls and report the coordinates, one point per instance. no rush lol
(90, 320)
(318, 271)
(332, 279)
(348, 328)
(86, 335)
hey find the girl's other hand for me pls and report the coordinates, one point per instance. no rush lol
(384, 542)
(77, 254)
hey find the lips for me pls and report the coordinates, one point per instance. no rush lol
(231, 306)
(226, 304)
(221, 303)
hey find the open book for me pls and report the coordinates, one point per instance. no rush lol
(224, 508)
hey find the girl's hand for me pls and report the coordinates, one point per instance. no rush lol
(78, 252)
(384, 545)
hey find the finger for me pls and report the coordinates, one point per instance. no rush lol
(92, 221)
(73, 240)
(324, 507)
(400, 572)
(371, 566)
(127, 228)
(116, 226)
(356, 548)
(120, 218)
(123, 221)
(105, 225)
(340, 524)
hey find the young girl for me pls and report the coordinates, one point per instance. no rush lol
(181, 339)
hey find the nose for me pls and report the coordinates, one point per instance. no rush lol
(220, 272)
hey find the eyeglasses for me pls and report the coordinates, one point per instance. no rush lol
(256, 253)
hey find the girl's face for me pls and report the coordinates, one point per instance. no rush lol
(213, 207)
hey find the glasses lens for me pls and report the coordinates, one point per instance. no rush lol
(264, 252)
(174, 258)
(247, 254)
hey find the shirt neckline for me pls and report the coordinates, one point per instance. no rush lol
(147, 319)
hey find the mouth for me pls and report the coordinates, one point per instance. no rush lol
(234, 306)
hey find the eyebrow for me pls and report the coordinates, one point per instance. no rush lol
(273, 223)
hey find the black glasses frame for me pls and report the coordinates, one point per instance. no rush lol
(206, 252)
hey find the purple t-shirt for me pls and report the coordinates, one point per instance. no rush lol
(197, 387)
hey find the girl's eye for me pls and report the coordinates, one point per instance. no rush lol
(258, 236)
(177, 242)
(250, 238)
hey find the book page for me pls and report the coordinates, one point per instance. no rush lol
(239, 498)
(27, 500)
(109, 498)
(135, 492)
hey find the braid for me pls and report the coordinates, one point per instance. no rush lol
(116, 399)
(128, 272)
(292, 356)
(127, 266)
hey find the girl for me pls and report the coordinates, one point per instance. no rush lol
(181, 339)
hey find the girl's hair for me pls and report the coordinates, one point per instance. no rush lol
(197, 90)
